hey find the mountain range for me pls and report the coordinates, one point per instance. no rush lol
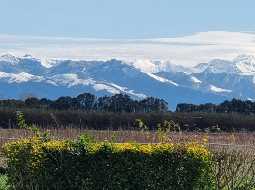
(215, 81)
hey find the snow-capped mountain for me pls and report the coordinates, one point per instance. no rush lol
(243, 64)
(159, 66)
(214, 81)
(12, 64)
(232, 79)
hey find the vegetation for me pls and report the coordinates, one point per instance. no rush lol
(33, 163)
(120, 112)
(234, 169)
(233, 106)
(171, 158)
(37, 162)
(197, 122)
(89, 102)
(3, 182)
(41, 163)
(232, 166)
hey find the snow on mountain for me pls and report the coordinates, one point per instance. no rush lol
(20, 77)
(145, 66)
(159, 66)
(167, 66)
(69, 79)
(125, 89)
(216, 66)
(243, 64)
(181, 79)
(217, 89)
(63, 73)
(195, 80)
(110, 89)
(9, 58)
(12, 64)
(214, 81)
(229, 79)
(161, 79)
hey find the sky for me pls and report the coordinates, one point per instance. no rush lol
(185, 32)
(124, 19)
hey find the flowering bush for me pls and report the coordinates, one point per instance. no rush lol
(38, 164)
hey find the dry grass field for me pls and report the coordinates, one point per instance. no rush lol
(222, 139)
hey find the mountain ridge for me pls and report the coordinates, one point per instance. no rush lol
(213, 82)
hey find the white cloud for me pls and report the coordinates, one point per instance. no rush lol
(187, 50)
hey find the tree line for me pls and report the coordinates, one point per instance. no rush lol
(232, 106)
(90, 102)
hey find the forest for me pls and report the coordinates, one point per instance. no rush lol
(90, 103)
(233, 106)
(123, 103)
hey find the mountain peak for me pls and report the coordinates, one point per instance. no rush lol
(216, 66)
(245, 64)
(156, 66)
(8, 57)
(28, 56)
(242, 64)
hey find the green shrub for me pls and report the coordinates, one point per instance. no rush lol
(140, 125)
(3, 182)
(37, 164)
(168, 126)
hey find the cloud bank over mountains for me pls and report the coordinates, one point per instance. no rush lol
(187, 50)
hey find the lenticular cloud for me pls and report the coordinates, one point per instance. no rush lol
(186, 50)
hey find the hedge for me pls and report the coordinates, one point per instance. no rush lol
(74, 165)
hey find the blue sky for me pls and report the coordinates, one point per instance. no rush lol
(185, 32)
(124, 19)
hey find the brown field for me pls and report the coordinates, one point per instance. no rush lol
(213, 140)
